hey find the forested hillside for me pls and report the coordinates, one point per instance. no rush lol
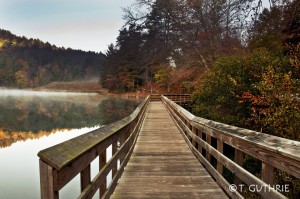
(31, 62)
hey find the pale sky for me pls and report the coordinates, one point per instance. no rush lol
(89, 25)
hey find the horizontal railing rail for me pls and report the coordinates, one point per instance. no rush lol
(61, 163)
(272, 151)
(177, 98)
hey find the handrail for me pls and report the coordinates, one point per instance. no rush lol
(61, 163)
(173, 97)
(273, 151)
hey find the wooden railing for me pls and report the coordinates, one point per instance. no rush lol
(273, 152)
(61, 163)
(180, 99)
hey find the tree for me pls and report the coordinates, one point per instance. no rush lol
(279, 89)
(162, 34)
(267, 30)
(216, 98)
(21, 79)
(123, 61)
(163, 78)
(292, 22)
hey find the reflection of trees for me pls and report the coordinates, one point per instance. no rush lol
(30, 119)
(114, 109)
(35, 116)
(8, 138)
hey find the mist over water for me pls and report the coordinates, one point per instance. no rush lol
(30, 93)
(8, 95)
(26, 114)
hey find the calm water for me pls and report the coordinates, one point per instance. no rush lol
(32, 120)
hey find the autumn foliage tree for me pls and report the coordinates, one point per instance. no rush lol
(260, 89)
(190, 33)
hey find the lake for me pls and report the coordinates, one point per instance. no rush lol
(34, 120)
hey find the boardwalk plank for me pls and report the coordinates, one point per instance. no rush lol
(162, 165)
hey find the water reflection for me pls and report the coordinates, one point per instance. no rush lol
(31, 115)
(19, 168)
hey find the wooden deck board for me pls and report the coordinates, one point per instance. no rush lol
(162, 165)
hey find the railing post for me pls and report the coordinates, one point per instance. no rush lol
(194, 130)
(114, 150)
(102, 163)
(208, 141)
(267, 173)
(122, 140)
(189, 127)
(199, 132)
(47, 182)
(220, 149)
(85, 177)
(239, 159)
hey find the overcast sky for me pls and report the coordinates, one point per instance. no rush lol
(78, 24)
(89, 25)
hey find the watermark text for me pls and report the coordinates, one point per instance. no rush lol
(260, 188)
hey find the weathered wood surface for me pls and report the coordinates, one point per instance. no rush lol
(162, 165)
(279, 152)
(271, 150)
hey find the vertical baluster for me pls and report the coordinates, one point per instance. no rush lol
(122, 141)
(199, 144)
(220, 149)
(47, 182)
(208, 141)
(189, 127)
(267, 173)
(85, 177)
(194, 130)
(102, 163)
(114, 150)
(239, 159)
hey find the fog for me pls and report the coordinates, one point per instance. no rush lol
(18, 92)
(7, 95)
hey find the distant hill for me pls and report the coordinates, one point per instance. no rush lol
(31, 62)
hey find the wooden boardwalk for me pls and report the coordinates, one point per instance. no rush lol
(162, 165)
